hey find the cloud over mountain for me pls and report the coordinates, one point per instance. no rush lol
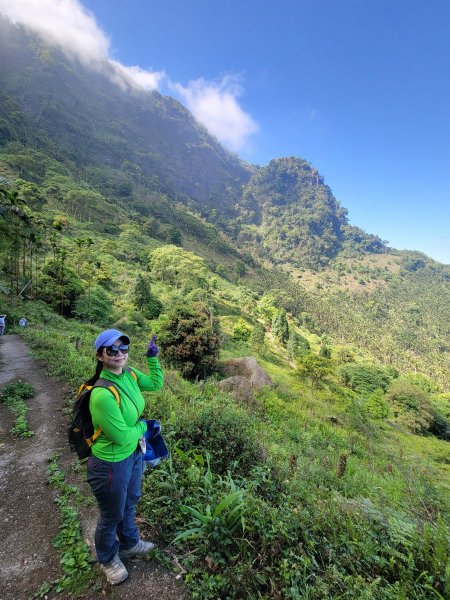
(68, 25)
(215, 105)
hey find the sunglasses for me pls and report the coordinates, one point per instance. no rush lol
(113, 350)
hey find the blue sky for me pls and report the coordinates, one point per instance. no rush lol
(361, 89)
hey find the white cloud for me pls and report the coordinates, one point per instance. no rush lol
(68, 25)
(216, 106)
(148, 80)
(63, 23)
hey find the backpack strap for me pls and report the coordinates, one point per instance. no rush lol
(132, 373)
(82, 387)
(105, 383)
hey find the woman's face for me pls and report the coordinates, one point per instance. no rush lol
(114, 363)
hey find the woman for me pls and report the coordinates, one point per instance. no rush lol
(115, 465)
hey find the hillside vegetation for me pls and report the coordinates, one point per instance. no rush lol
(117, 209)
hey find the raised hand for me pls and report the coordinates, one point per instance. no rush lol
(152, 349)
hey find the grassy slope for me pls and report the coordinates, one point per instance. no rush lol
(335, 504)
(392, 484)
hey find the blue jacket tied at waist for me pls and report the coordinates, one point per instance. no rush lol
(156, 448)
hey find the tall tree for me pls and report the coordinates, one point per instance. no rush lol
(297, 345)
(145, 300)
(258, 335)
(280, 326)
(315, 368)
(178, 267)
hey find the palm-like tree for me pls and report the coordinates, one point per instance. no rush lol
(21, 236)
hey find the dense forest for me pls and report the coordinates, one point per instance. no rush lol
(118, 209)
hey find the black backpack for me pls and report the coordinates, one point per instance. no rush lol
(80, 431)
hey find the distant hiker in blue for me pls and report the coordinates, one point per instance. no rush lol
(2, 324)
(22, 322)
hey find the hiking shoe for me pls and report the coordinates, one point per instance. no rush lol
(115, 571)
(140, 549)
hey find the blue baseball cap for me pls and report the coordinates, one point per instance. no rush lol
(108, 337)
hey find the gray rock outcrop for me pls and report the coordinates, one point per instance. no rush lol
(248, 368)
(244, 375)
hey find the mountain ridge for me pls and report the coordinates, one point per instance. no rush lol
(153, 138)
(66, 109)
(104, 156)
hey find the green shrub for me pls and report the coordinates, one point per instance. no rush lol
(325, 351)
(190, 340)
(266, 307)
(313, 367)
(441, 420)
(309, 323)
(440, 426)
(241, 331)
(376, 405)
(343, 355)
(95, 306)
(365, 379)
(224, 431)
(258, 335)
(14, 396)
(411, 406)
(20, 389)
(421, 382)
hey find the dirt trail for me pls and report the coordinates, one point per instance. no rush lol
(29, 518)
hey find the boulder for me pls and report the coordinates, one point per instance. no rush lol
(239, 387)
(247, 368)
